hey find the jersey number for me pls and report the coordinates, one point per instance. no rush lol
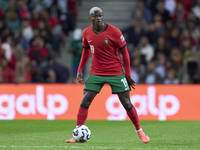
(124, 81)
(92, 48)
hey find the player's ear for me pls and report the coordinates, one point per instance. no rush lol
(90, 18)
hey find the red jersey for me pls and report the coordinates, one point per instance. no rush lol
(104, 48)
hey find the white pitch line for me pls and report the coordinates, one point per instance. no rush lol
(80, 147)
(74, 147)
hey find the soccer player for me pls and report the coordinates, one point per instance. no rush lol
(103, 41)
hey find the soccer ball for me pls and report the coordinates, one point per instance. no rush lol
(81, 133)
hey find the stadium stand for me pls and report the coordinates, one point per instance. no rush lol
(37, 37)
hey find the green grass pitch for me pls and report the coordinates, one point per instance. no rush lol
(106, 135)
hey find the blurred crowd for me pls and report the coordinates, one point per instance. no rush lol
(164, 41)
(31, 32)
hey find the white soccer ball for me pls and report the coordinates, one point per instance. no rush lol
(81, 133)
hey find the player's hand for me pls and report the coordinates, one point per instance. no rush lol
(80, 77)
(131, 82)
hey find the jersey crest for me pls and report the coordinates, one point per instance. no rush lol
(106, 41)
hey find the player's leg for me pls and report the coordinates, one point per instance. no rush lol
(132, 114)
(120, 86)
(92, 87)
(83, 109)
(130, 109)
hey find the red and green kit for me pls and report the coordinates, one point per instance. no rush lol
(104, 47)
(106, 64)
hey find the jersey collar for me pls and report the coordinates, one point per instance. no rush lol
(101, 31)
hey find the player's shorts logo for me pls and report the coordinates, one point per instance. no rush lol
(106, 41)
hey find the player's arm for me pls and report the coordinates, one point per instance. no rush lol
(126, 61)
(121, 44)
(84, 58)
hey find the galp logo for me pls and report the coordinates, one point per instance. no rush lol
(168, 105)
(29, 104)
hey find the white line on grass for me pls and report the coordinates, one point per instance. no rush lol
(81, 147)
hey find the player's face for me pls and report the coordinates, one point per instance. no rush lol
(97, 19)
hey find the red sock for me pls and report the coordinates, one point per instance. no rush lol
(82, 116)
(134, 118)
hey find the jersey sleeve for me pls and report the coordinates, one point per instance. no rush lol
(121, 42)
(126, 61)
(85, 54)
(84, 58)
(85, 42)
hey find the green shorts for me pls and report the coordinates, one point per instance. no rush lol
(118, 83)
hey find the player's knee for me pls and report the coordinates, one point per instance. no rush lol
(86, 101)
(85, 104)
(128, 106)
